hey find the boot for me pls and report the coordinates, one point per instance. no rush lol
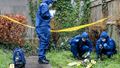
(47, 59)
(43, 61)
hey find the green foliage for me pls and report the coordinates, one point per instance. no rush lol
(5, 58)
(69, 16)
(33, 9)
(86, 10)
(33, 6)
(30, 49)
(7, 46)
(66, 15)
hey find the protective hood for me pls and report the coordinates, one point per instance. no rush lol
(47, 1)
(104, 35)
(84, 35)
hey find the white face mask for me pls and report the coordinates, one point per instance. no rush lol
(103, 39)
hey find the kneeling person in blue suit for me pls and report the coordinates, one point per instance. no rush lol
(80, 45)
(105, 45)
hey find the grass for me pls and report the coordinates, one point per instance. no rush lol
(114, 62)
(60, 59)
(5, 58)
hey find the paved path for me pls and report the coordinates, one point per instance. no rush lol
(32, 62)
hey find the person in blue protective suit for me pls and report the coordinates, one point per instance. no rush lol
(105, 45)
(43, 18)
(80, 45)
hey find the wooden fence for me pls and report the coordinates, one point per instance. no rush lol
(101, 9)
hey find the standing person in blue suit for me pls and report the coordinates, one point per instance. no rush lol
(80, 45)
(105, 45)
(43, 18)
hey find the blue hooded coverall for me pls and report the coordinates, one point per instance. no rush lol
(43, 19)
(79, 47)
(108, 47)
(21, 55)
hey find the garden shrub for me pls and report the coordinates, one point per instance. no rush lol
(10, 32)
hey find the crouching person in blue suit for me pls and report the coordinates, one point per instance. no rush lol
(80, 45)
(105, 45)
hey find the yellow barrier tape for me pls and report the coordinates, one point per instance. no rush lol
(79, 27)
(62, 30)
(16, 21)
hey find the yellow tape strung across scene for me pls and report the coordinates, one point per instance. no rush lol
(16, 21)
(79, 27)
(62, 30)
